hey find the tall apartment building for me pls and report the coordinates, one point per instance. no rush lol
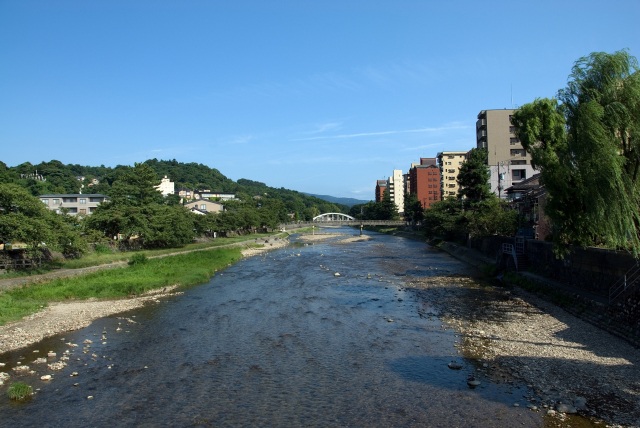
(508, 162)
(396, 189)
(424, 182)
(381, 187)
(449, 164)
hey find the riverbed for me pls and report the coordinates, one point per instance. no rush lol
(324, 333)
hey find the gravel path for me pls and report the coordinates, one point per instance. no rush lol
(570, 364)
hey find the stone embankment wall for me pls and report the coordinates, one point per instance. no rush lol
(584, 278)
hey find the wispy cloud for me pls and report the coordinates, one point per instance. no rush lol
(325, 127)
(380, 133)
(239, 139)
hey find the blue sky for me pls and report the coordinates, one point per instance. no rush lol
(323, 97)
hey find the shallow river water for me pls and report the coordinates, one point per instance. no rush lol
(310, 335)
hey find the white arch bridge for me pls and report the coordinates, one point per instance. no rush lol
(340, 219)
(333, 217)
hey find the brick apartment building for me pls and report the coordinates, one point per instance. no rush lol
(424, 182)
(381, 187)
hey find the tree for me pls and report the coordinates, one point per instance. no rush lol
(24, 218)
(473, 177)
(136, 186)
(442, 220)
(586, 143)
(413, 211)
(138, 213)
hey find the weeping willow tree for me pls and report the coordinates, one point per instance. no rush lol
(586, 143)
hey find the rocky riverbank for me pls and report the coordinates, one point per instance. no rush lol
(339, 237)
(510, 335)
(67, 316)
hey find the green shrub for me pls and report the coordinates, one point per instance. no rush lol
(20, 391)
(138, 259)
(103, 249)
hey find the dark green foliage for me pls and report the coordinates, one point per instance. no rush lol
(138, 216)
(383, 210)
(473, 177)
(24, 218)
(413, 211)
(587, 146)
(452, 220)
(442, 220)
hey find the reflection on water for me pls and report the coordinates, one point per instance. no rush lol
(276, 340)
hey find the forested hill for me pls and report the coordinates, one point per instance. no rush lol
(56, 177)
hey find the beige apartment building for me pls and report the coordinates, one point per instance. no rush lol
(508, 162)
(449, 164)
(73, 204)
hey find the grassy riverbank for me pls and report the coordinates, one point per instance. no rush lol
(181, 269)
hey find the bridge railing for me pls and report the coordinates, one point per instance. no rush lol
(303, 224)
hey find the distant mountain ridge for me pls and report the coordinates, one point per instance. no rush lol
(343, 201)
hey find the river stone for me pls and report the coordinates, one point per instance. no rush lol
(473, 383)
(580, 403)
(454, 366)
(565, 408)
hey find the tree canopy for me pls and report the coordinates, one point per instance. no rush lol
(473, 177)
(25, 219)
(586, 143)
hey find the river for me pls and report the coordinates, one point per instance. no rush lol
(326, 335)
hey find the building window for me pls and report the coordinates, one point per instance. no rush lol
(517, 152)
(518, 174)
(513, 141)
(203, 207)
(83, 210)
(518, 162)
(56, 202)
(45, 201)
(83, 201)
